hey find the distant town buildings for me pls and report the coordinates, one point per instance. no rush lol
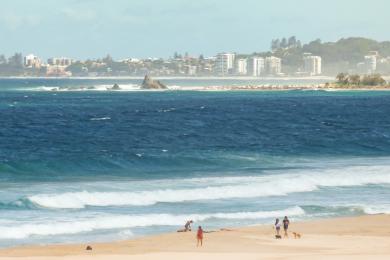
(256, 66)
(32, 61)
(224, 63)
(312, 65)
(57, 71)
(273, 66)
(287, 57)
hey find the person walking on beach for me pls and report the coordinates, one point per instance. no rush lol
(277, 227)
(199, 236)
(286, 222)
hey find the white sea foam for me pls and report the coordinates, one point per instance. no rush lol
(246, 187)
(21, 231)
(101, 87)
(100, 118)
(377, 209)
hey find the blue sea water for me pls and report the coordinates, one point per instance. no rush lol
(80, 164)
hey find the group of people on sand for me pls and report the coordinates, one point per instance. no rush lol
(199, 233)
(286, 223)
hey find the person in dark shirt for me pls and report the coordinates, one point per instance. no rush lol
(187, 226)
(286, 222)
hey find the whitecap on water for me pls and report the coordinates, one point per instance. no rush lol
(100, 118)
(245, 187)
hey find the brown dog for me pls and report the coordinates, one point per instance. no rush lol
(296, 235)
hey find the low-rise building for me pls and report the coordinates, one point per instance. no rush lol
(191, 70)
(62, 61)
(57, 71)
(32, 61)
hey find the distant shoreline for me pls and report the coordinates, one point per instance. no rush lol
(268, 84)
(179, 77)
(321, 87)
(330, 78)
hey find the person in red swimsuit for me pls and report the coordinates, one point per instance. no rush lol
(199, 236)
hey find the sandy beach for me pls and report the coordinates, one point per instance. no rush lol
(363, 237)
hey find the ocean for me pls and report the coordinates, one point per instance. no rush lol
(79, 163)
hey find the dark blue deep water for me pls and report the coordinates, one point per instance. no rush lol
(104, 165)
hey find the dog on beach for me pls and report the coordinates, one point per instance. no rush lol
(278, 236)
(296, 235)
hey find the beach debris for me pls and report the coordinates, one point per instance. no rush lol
(149, 83)
(226, 229)
(88, 248)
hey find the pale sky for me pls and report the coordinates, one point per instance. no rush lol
(158, 28)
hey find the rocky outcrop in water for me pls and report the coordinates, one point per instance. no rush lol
(149, 83)
(115, 87)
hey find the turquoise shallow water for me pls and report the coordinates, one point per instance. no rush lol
(89, 165)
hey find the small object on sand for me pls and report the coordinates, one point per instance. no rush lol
(296, 235)
(88, 248)
(278, 236)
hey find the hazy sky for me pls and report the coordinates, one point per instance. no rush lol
(157, 28)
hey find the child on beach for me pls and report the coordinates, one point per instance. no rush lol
(277, 227)
(199, 236)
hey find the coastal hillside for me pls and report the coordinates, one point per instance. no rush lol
(342, 55)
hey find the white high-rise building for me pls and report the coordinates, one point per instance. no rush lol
(256, 66)
(273, 65)
(370, 62)
(32, 61)
(313, 65)
(224, 63)
(241, 66)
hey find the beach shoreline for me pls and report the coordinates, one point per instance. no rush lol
(176, 77)
(333, 238)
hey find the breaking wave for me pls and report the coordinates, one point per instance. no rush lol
(264, 186)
